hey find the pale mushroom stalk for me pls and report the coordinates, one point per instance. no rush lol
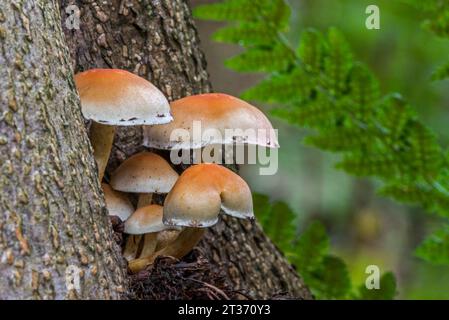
(166, 237)
(149, 244)
(145, 199)
(101, 137)
(132, 247)
(184, 243)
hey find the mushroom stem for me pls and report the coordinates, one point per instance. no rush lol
(149, 244)
(166, 237)
(144, 200)
(132, 247)
(101, 137)
(184, 243)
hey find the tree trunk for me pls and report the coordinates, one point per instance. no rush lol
(54, 228)
(156, 39)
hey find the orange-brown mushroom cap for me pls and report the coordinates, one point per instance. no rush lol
(145, 172)
(145, 220)
(201, 191)
(118, 97)
(117, 203)
(215, 111)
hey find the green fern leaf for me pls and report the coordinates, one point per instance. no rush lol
(274, 13)
(229, 10)
(435, 248)
(331, 280)
(278, 58)
(421, 193)
(425, 156)
(342, 139)
(281, 88)
(338, 62)
(246, 34)
(311, 50)
(364, 91)
(394, 115)
(262, 208)
(282, 226)
(317, 113)
(311, 248)
(364, 164)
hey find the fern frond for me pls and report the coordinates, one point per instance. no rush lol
(341, 139)
(281, 88)
(436, 247)
(363, 164)
(246, 34)
(311, 50)
(338, 62)
(277, 58)
(229, 10)
(275, 13)
(394, 115)
(363, 91)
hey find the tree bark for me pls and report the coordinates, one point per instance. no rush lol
(54, 228)
(157, 39)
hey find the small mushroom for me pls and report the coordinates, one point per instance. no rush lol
(117, 203)
(144, 173)
(215, 111)
(146, 221)
(195, 202)
(112, 97)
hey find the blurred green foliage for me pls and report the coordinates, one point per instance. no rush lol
(325, 274)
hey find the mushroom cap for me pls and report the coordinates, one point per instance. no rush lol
(216, 111)
(145, 172)
(118, 97)
(145, 220)
(117, 203)
(201, 191)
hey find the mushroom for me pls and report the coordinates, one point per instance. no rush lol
(112, 97)
(144, 173)
(195, 202)
(117, 203)
(145, 221)
(215, 111)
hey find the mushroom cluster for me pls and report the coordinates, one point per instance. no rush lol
(194, 199)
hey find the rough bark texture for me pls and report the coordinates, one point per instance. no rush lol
(54, 226)
(157, 39)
